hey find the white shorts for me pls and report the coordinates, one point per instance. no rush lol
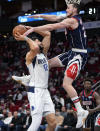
(40, 102)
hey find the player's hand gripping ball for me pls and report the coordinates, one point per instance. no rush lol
(19, 29)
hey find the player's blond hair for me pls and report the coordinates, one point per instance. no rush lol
(72, 1)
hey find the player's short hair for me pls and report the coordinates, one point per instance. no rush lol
(77, 6)
(87, 79)
(34, 38)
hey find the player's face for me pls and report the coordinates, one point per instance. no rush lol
(70, 10)
(87, 85)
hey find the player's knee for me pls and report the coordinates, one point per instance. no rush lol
(52, 123)
(67, 82)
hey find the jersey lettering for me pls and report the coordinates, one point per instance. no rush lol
(41, 61)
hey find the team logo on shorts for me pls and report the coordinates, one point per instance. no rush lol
(97, 123)
(32, 108)
(72, 71)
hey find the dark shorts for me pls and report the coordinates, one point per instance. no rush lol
(92, 120)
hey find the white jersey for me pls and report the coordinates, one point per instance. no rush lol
(39, 71)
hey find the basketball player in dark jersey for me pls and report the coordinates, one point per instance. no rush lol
(91, 100)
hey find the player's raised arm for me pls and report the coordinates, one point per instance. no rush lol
(46, 41)
(48, 17)
(32, 44)
(66, 23)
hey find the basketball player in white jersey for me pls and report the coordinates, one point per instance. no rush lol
(37, 90)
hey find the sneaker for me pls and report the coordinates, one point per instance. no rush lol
(24, 80)
(82, 116)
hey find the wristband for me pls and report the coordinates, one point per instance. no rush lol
(25, 38)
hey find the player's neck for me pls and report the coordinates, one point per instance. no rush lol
(74, 14)
(87, 91)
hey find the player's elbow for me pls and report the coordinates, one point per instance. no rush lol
(35, 48)
(47, 33)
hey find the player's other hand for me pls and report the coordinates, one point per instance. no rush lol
(34, 16)
(28, 27)
(29, 31)
(90, 110)
(19, 37)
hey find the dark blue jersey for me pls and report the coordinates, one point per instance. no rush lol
(77, 37)
(88, 100)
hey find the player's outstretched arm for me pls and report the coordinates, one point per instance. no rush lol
(48, 17)
(69, 22)
(66, 23)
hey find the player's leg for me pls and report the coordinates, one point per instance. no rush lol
(49, 111)
(56, 62)
(36, 107)
(87, 124)
(36, 121)
(51, 122)
(71, 73)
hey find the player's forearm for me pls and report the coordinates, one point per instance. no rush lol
(49, 27)
(39, 31)
(33, 46)
(50, 17)
(95, 109)
(43, 33)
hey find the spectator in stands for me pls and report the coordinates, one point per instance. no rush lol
(63, 111)
(7, 122)
(21, 113)
(27, 120)
(69, 122)
(18, 96)
(0, 109)
(16, 123)
(59, 99)
(4, 112)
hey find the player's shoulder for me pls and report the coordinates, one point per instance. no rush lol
(81, 93)
(96, 94)
(71, 21)
(76, 18)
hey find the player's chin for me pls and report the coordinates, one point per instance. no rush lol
(68, 15)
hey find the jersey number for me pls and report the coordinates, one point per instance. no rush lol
(45, 67)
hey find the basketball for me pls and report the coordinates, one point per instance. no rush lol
(20, 29)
